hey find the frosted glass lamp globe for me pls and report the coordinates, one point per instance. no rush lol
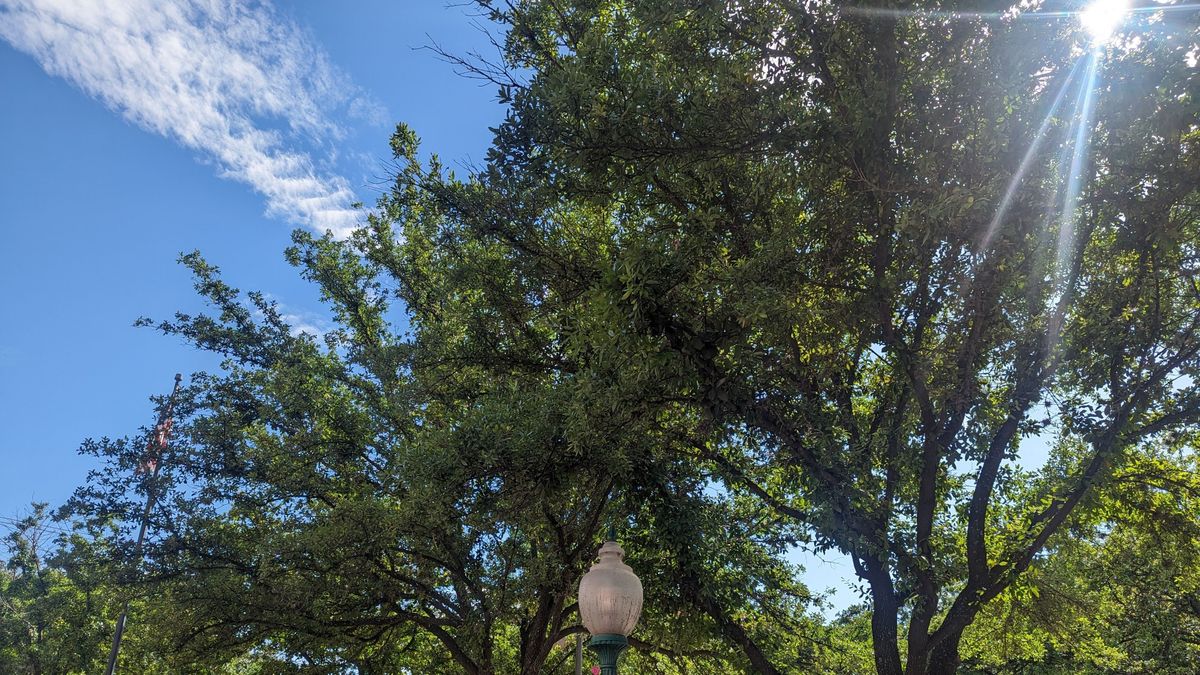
(610, 594)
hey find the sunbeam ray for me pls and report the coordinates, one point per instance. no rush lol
(1163, 8)
(1026, 161)
(891, 13)
(1065, 246)
(1083, 127)
(1036, 15)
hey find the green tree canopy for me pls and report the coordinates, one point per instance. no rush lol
(59, 597)
(740, 276)
(386, 503)
(857, 255)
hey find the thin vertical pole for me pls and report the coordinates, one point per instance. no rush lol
(579, 654)
(157, 444)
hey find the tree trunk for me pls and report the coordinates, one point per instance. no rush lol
(735, 633)
(883, 635)
(944, 660)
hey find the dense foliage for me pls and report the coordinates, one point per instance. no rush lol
(860, 255)
(737, 277)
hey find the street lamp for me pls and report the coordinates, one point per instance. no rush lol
(610, 603)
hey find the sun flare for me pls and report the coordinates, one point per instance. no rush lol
(1102, 18)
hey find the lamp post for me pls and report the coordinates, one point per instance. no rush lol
(610, 603)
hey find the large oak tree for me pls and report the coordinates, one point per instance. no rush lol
(857, 254)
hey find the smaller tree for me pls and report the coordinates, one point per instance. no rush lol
(1118, 592)
(59, 598)
(386, 502)
(50, 601)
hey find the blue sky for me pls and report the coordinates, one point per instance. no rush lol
(131, 132)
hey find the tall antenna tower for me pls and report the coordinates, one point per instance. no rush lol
(155, 448)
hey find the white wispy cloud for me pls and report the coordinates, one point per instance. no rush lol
(299, 320)
(307, 322)
(238, 83)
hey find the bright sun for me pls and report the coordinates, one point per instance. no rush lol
(1102, 17)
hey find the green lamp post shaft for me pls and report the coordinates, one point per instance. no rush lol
(608, 648)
